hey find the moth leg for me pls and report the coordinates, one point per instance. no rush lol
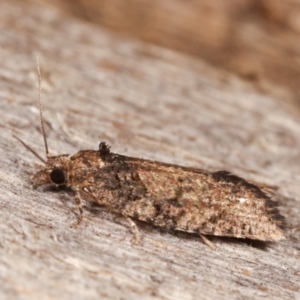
(135, 231)
(207, 241)
(79, 206)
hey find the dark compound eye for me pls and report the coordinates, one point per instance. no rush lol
(57, 176)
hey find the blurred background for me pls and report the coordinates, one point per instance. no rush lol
(256, 39)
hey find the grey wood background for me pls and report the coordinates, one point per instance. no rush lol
(147, 102)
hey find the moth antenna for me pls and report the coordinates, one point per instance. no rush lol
(30, 149)
(41, 106)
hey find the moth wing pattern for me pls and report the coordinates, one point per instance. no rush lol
(184, 199)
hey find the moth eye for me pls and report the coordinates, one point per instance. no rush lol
(57, 176)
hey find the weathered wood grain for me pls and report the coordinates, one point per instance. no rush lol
(146, 102)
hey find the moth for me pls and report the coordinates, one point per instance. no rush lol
(164, 195)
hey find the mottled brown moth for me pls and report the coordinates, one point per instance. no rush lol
(165, 195)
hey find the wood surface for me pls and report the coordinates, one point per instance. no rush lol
(146, 102)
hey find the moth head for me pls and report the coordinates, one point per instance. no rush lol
(55, 172)
(56, 167)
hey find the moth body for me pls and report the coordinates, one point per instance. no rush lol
(165, 195)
